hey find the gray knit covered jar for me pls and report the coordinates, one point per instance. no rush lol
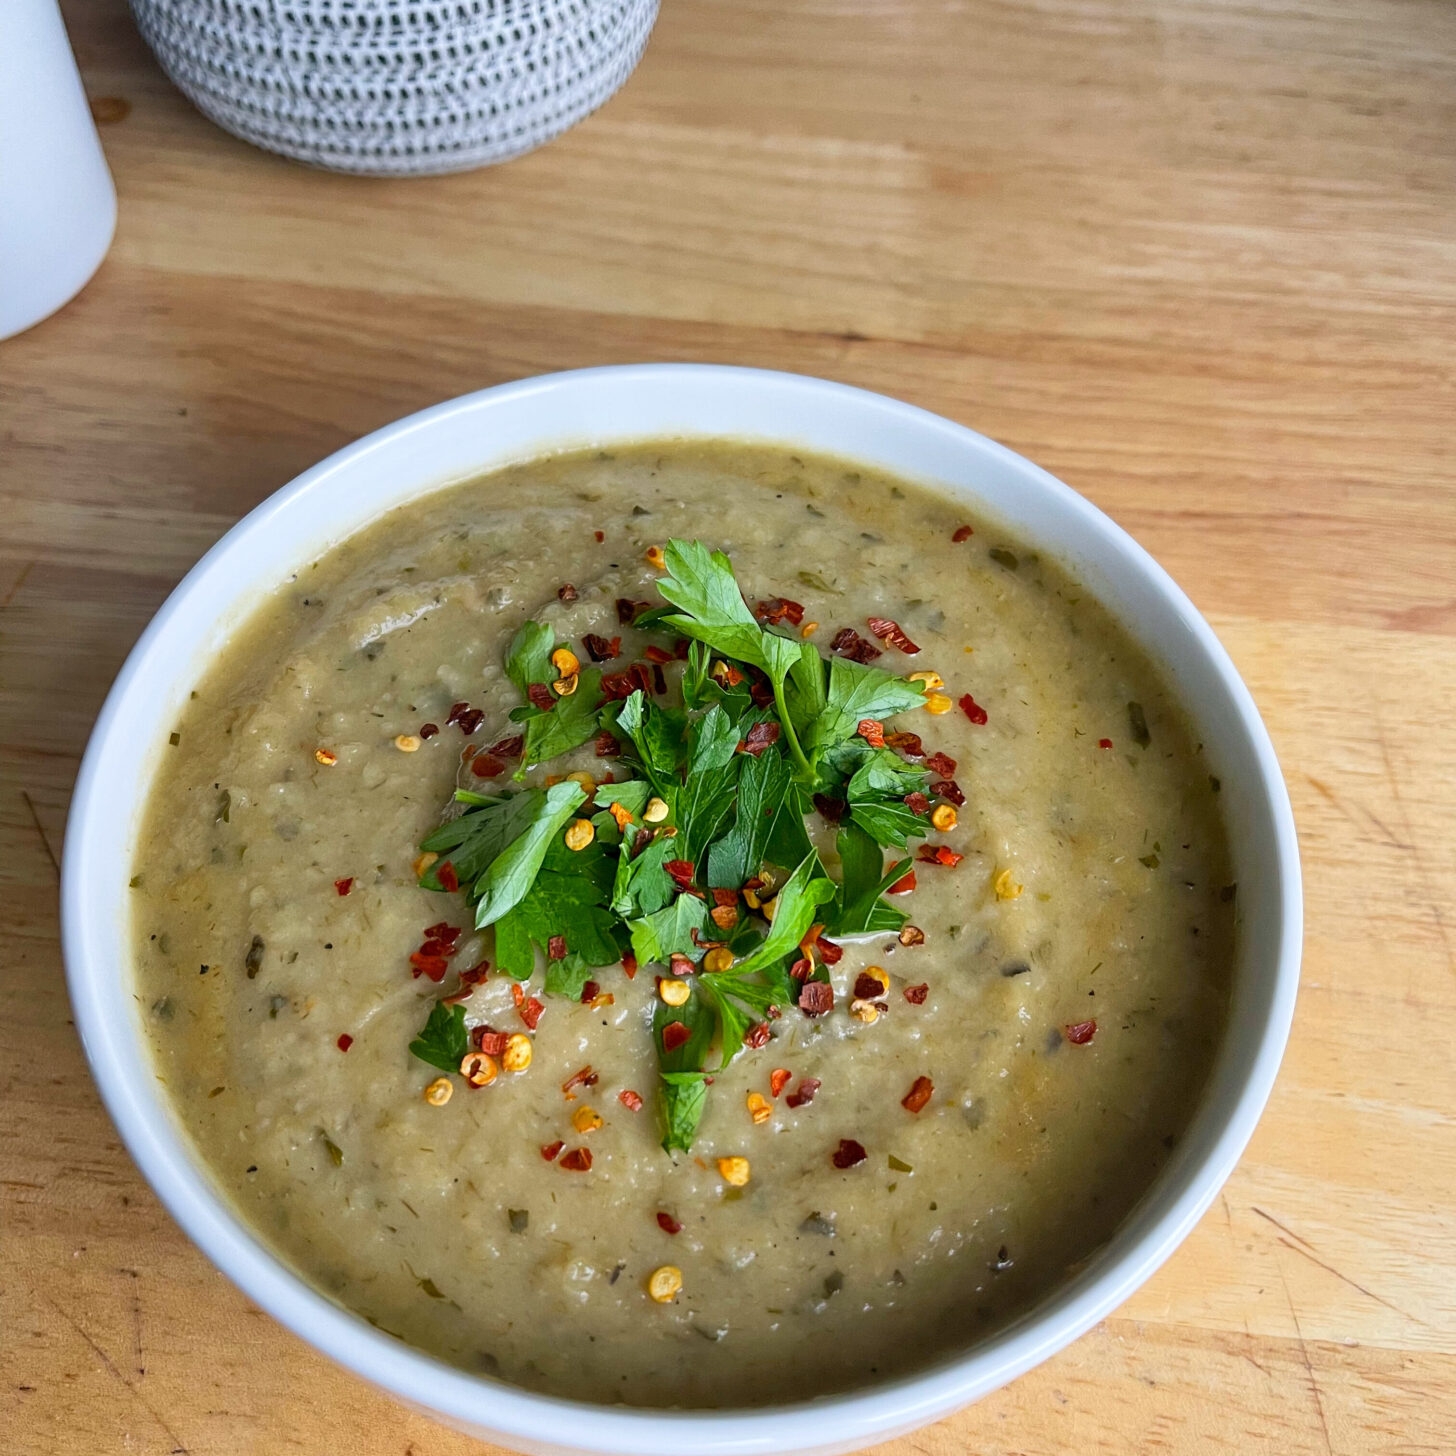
(397, 87)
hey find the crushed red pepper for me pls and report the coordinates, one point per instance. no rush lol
(629, 1099)
(942, 764)
(549, 1151)
(657, 655)
(972, 709)
(607, 746)
(917, 803)
(903, 885)
(628, 610)
(962, 533)
(556, 948)
(589, 991)
(848, 643)
(540, 696)
(344, 886)
(674, 1034)
(912, 935)
(1104, 743)
(629, 965)
(872, 731)
(866, 987)
(489, 1041)
(1079, 1033)
(779, 609)
(680, 872)
(668, 1224)
(509, 747)
(939, 854)
(566, 592)
(918, 1095)
(848, 1153)
(583, 1077)
(779, 1078)
(916, 995)
(486, 766)
(530, 1012)
(757, 1035)
(948, 790)
(428, 731)
(893, 633)
(907, 743)
(760, 737)
(345, 1042)
(803, 1094)
(602, 649)
(578, 1160)
(816, 998)
(831, 809)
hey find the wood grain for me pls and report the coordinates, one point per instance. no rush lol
(1197, 257)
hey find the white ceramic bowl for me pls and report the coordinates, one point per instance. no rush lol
(605, 406)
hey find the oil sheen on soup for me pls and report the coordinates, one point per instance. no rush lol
(1064, 1004)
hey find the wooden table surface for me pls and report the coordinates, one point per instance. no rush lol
(1197, 257)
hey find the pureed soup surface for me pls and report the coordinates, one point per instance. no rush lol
(1075, 960)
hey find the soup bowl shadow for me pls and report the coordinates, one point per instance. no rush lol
(615, 405)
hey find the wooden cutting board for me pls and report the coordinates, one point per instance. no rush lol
(1197, 258)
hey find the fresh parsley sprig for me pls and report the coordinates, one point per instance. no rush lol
(731, 785)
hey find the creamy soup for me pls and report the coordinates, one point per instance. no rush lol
(1062, 1008)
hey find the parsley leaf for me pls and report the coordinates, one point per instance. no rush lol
(739, 854)
(702, 803)
(684, 1096)
(568, 725)
(859, 908)
(568, 976)
(669, 931)
(513, 871)
(857, 691)
(657, 735)
(803, 892)
(443, 1041)
(528, 658)
(642, 886)
(481, 833)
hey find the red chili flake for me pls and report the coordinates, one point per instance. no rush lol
(725, 917)
(916, 995)
(962, 533)
(760, 694)
(659, 681)
(344, 886)
(468, 752)
(617, 685)
(760, 737)
(866, 987)
(540, 696)
(893, 633)
(803, 1094)
(578, 1160)
(726, 675)
(802, 969)
(757, 1035)
(629, 965)
(602, 649)
(918, 1095)
(912, 935)
(779, 609)
(345, 1042)
(469, 980)
(831, 809)
(848, 1153)
(629, 1099)
(556, 947)
(680, 871)
(607, 746)
(589, 989)
(489, 1041)
(531, 1010)
(443, 930)
(903, 885)
(486, 766)
(445, 874)
(600, 535)
(872, 731)
(942, 764)
(1079, 1033)
(433, 966)
(674, 1034)
(657, 655)
(584, 1077)
(640, 677)
(668, 1224)
(972, 709)
(470, 720)
(816, 998)
(550, 1150)
(680, 965)
(429, 730)
(939, 854)
(566, 592)
(1104, 743)
(437, 948)
(509, 747)
(628, 611)
(681, 648)
(456, 709)
(948, 790)
(778, 1079)
(829, 953)
(517, 995)
(848, 643)
(907, 743)
(917, 803)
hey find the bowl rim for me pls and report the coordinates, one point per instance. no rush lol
(544, 1422)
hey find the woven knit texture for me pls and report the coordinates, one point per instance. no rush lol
(397, 87)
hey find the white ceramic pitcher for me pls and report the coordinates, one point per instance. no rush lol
(57, 202)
